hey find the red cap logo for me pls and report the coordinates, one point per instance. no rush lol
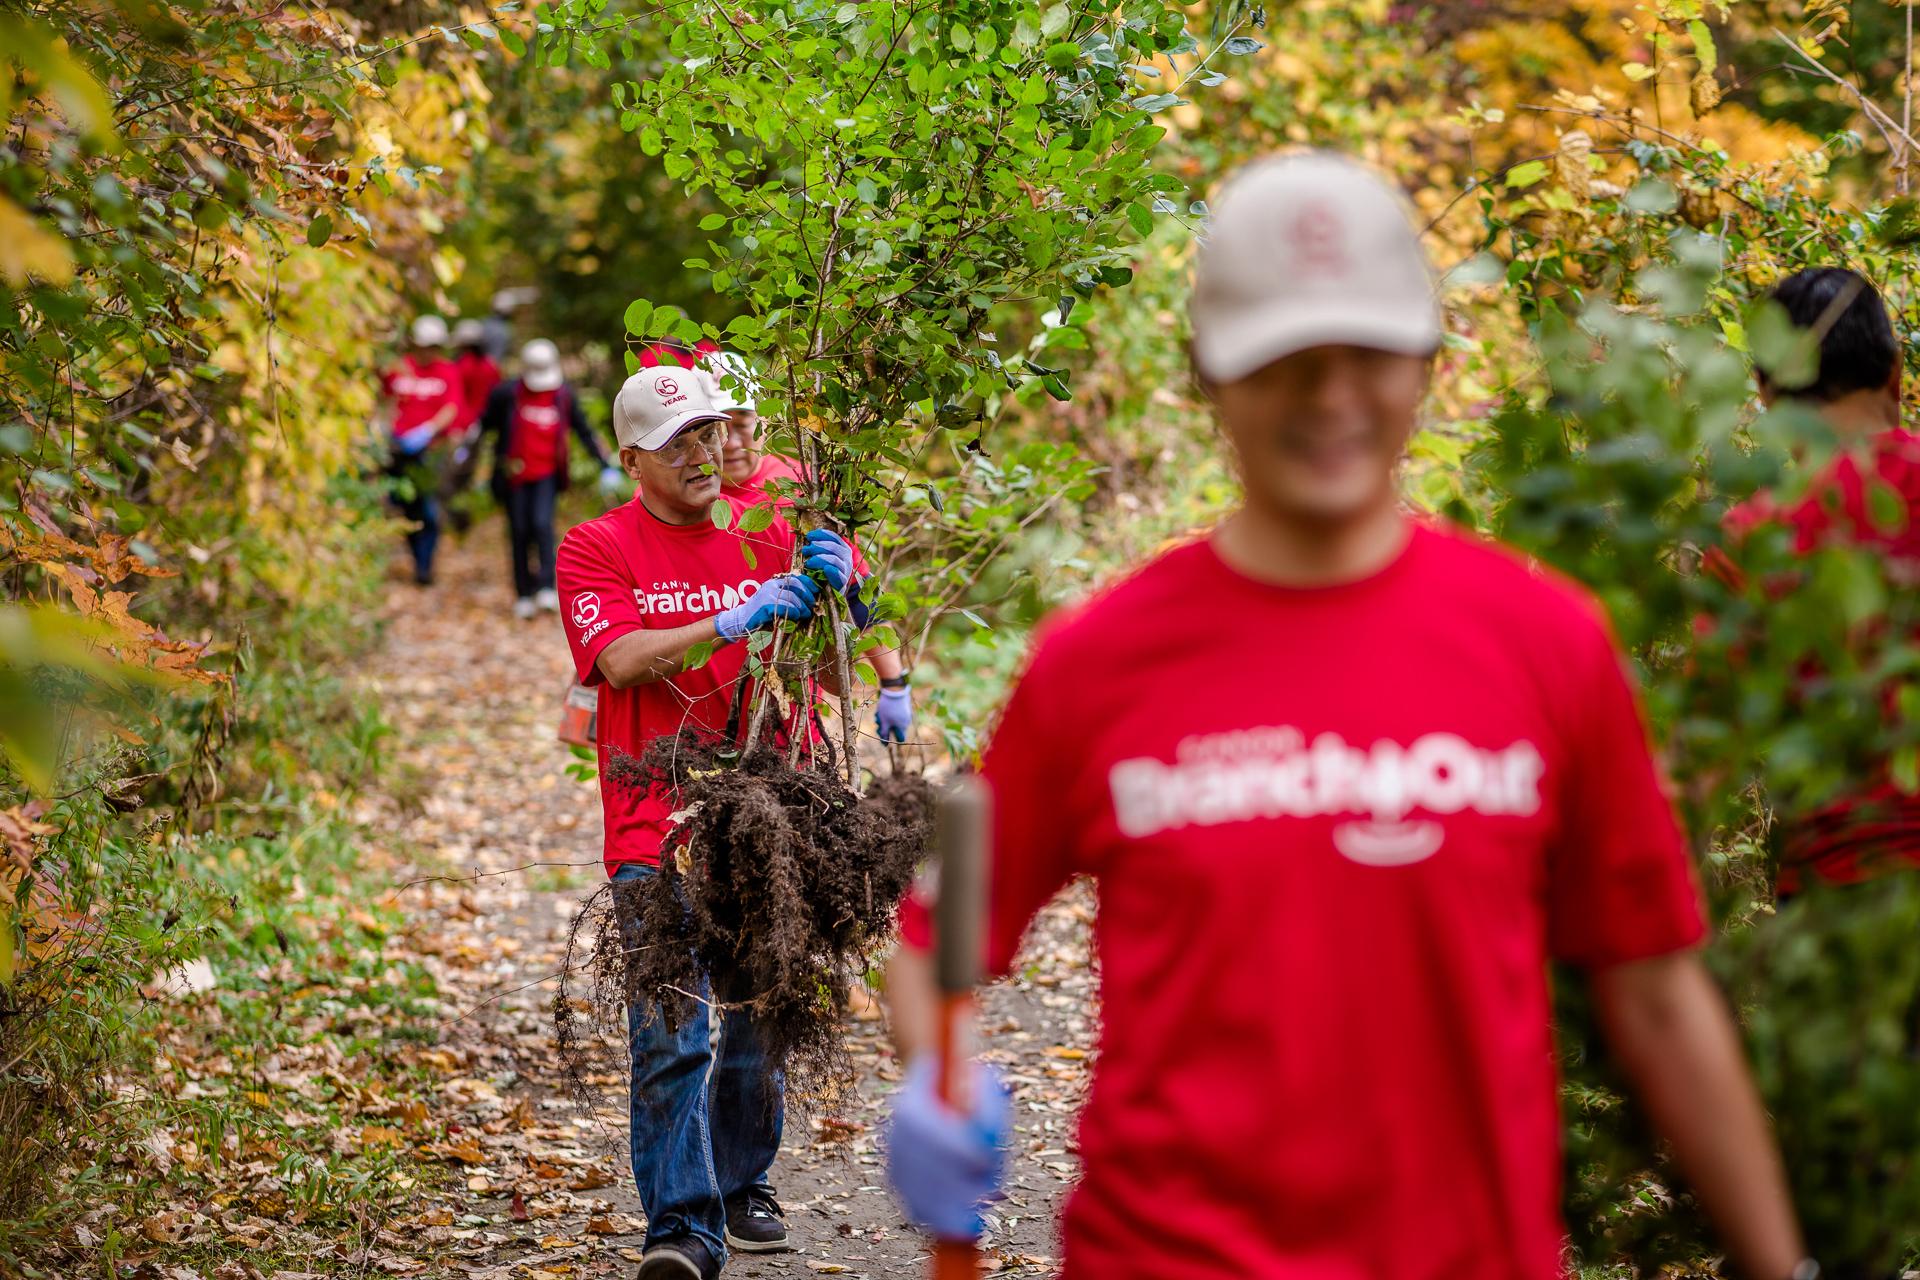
(1318, 242)
(667, 387)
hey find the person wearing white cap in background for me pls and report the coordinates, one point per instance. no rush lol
(527, 422)
(640, 587)
(423, 395)
(1345, 779)
(755, 475)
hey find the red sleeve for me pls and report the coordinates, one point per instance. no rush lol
(1620, 880)
(596, 599)
(1033, 854)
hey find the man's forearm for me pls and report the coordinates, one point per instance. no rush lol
(642, 657)
(887, 663)
(1670, 1028)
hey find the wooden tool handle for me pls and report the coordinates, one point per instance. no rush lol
(958, 919)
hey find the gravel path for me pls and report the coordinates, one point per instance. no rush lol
(479, 795)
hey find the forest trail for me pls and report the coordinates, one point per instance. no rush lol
(477, 800)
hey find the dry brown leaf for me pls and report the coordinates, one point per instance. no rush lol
(591, 1178)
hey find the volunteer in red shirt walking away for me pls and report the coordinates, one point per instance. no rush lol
(752, 475)
(424, 397)
(641, 586)
(479, 375)
(1857, 390)
(1345, 780)
(528, 420)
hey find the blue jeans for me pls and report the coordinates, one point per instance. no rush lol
(530, 534)
(705, 1110)
(415, 480)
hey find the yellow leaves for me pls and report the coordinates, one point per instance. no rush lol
(30, 49)
(28, 251)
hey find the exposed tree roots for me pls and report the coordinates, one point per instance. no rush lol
(775, 890)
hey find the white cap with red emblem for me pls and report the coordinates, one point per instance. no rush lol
(540, 365)
(1304, 251)
(655, 405)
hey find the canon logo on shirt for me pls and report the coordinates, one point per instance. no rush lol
(675, 596)
(540, 415)
(1274, 772)
(412, 386)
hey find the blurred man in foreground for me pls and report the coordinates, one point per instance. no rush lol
(1346, 781)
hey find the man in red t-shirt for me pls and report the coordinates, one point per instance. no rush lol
(424, 397)
(753, 475)
(479, 376)
(640, 587)
(1345, 780)
(528, 420)
(1857, 390)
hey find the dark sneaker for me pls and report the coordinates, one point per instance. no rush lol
(754, 1223)
(678, 1258)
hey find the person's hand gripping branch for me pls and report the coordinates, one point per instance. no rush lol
(828, 554)
(786, 598)
(945, 1165)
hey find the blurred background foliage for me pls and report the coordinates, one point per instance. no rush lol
(214, 218)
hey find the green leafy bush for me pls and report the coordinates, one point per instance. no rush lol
(1769, 698)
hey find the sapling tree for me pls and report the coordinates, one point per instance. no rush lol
(909, 202)
(903, 193)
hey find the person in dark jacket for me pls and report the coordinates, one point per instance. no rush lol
(527, 420)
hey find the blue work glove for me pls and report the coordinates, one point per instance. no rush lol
(895, 714)
(946, 1167)
(827, 553)
(612, 479)
(413, 443)
(787, 598)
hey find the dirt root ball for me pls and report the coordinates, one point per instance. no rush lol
(775, 891)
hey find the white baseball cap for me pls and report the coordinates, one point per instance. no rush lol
(467, 333)
(655, 405)
(540, 365)
(721, 366)
(429, 331)
(1303, 251)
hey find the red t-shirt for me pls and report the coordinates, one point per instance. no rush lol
(1336, 836)
(479, 375)
(627, 570)
(539, 438)
(1878, 826)
(420, 389)
(653, 354)
(770, 468)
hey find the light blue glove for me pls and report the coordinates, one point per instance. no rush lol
(945, 1167)
(612, 479)
(413, 443)
(787, 598)
(895, 714)
(828, 554)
